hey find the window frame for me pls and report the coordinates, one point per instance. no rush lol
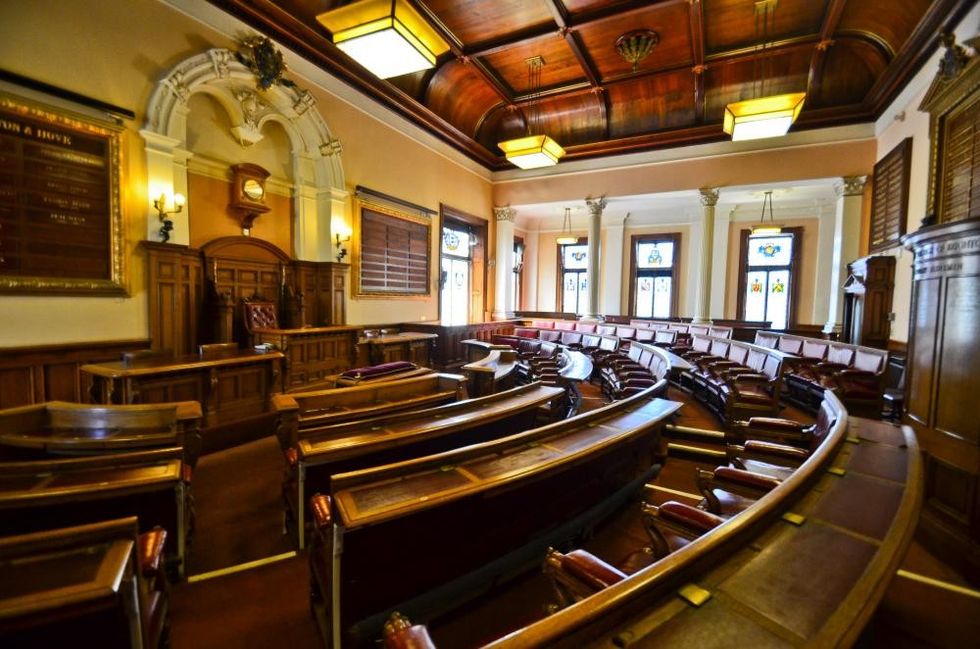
(451, 216)
(795, 261)
(559, 291)
(635, 241)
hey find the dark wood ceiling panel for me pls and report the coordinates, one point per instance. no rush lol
(888, 22)
(670, 21)
(851, 69)
(786, 71)
(479, 21)
(652, 104)
(560, 64)
(854, 56)
(577, 118)
(454, 80)
(731, 24)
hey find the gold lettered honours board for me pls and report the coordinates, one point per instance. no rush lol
(61, 226)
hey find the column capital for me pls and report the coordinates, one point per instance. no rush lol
(596, 205)
(505, 213)
(850, 185)
(709, 196)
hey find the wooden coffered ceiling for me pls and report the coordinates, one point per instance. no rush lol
(852, 57)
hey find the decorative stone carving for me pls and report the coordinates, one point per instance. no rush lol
(331, 148)
(596, 205)
(505, 213)
(850, 185)
(709, 196)
(220, 59)
(304, 102)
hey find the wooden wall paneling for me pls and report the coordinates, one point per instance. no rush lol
(36, 374)
(175, 296)
(941, 383)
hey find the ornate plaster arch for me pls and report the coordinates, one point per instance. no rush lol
(319, 188)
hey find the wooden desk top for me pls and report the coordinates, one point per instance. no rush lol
(305, 331)
(119, 369)
(677, 364)
(393, 339)
(373, 495)
(45, 481)
(61, 578)
(332, 443)
(577, 368)
(88, 439)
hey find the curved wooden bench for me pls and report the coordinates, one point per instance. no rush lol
(63, 428)
(301, 411)
(48, 494)
(854, 509)
(401, 527)
(326, 450)
(494, 372)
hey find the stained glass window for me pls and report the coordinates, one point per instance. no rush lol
(768, 277)
(654, 260)
(457, 247)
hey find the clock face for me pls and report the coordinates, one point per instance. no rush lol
(253, 190)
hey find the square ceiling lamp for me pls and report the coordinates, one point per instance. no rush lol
(532, 151)
(763, 117)
(388, 37)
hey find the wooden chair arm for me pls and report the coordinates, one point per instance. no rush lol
(151, 551)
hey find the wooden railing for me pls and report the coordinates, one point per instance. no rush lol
(450, 352)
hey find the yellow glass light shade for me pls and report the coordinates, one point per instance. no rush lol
(763, 230)
(388, 37)
(763, 117)
(532, 152)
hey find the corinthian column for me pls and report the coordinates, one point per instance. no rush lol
(847, 236)
(709, 198)
(504, 269)
(596, 205)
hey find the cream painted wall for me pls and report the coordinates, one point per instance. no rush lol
(807, 274)
(128, 45)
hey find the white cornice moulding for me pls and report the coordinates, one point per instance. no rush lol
(219, 170)
(800, 139)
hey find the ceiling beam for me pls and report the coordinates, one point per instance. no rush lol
(560, 14)
(456, 47)
(697, 51)
(831, 20)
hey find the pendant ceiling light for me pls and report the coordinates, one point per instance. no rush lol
(566, 237)
(636, 45)
(388, 37)
(764, 116)
(532, 151)
(770, 227)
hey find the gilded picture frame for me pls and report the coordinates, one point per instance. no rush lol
(61, 222)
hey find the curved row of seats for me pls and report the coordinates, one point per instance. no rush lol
(734, 379)
(622, 374)
(685, 540)
(853, 372)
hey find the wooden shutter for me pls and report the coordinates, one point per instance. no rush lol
(394, 256)
(960, 184)
(889, 202)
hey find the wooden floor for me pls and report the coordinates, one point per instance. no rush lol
(237, 496)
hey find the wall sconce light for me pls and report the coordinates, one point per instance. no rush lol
(160, 205)
(341, 250)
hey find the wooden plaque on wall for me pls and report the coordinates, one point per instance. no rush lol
(61, 227)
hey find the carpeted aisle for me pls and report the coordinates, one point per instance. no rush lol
(238, 504)
(260, 608)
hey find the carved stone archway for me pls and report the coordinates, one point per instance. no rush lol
(319, 190)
